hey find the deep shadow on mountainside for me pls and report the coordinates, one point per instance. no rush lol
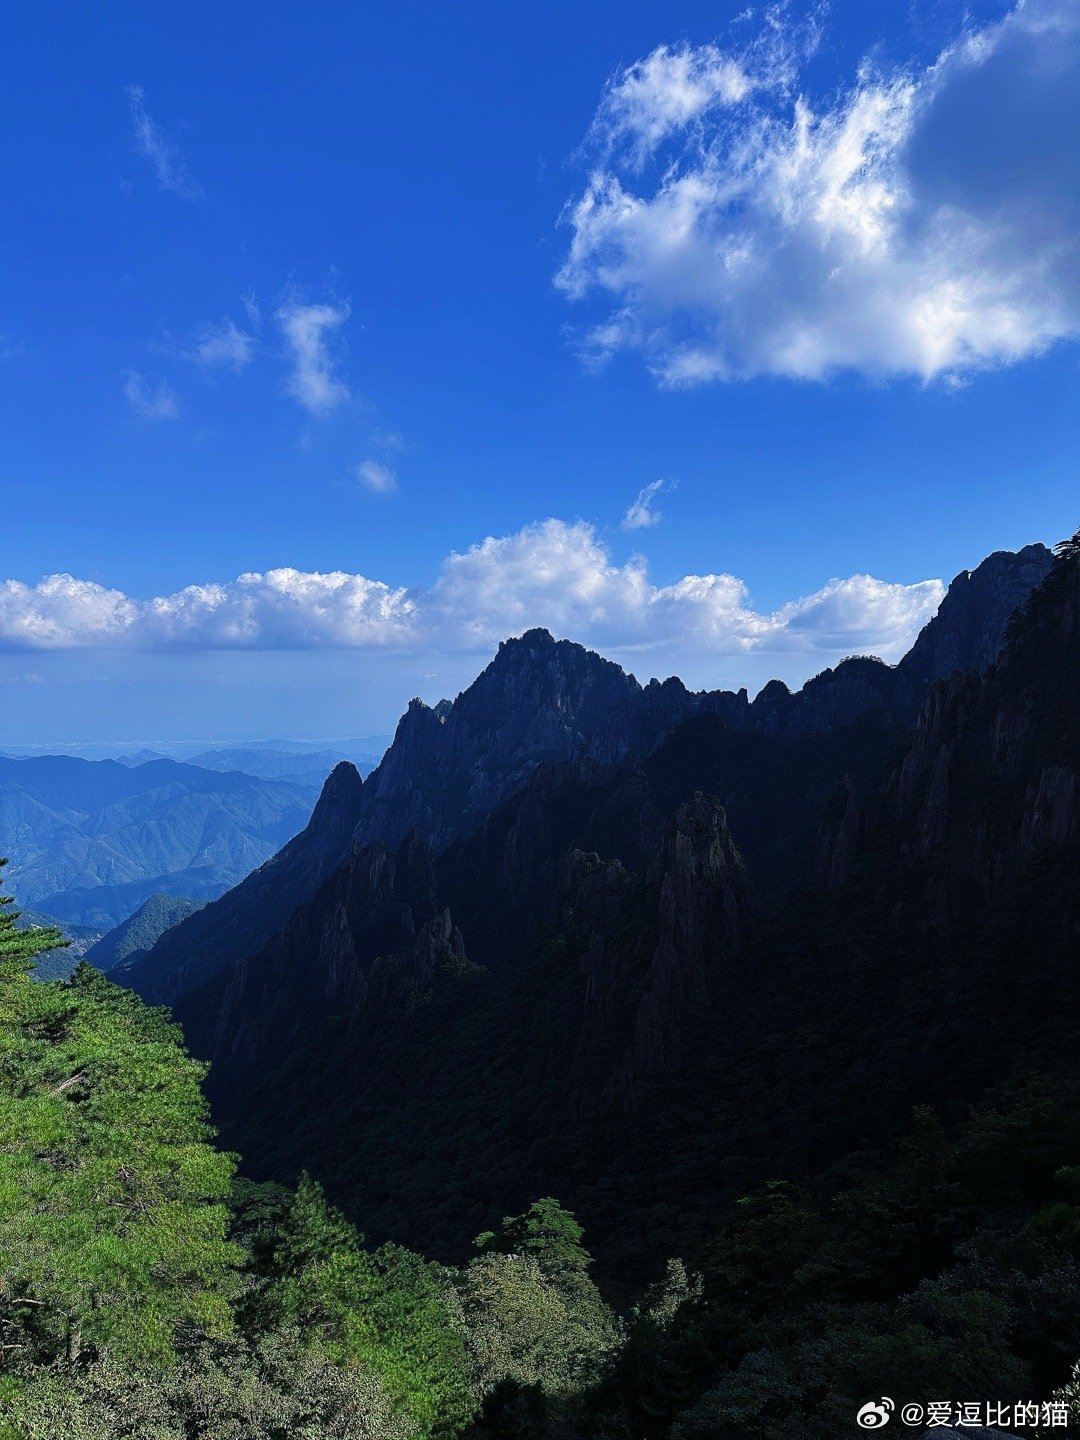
(542, 701)
(652, 977)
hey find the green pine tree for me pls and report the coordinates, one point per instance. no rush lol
(388, 1311)
(21, 947)
(111, 1197)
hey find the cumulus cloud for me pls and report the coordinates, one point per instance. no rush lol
(859, 613)
(278, 609)
(549, 573)
(224, 344)
(925, 221)
(374, 475)
(307, 330)
(642, 513)
(62, 613)
(552, 573)
(155, 147)
(149, 400)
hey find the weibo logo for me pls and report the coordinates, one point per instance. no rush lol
(874, 1415)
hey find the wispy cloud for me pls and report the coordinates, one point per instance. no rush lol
(923, 221)
(376, 476)
(224, 344)
(155, 146)
(642, 513)
(307, 330)
(550, 573)
(387, 439)
(150, 400)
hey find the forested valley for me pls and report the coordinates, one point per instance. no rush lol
(780, 1119)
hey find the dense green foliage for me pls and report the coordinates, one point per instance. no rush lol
(538, 1332)
(111, 1199)
(145, 1293)
(864, 1179)
(139, 931)
(387, 1312)
(950, 1270)
(22, 943)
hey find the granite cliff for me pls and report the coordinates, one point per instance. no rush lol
(543, 701)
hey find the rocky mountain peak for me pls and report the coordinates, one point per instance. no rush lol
(341, 788)
(532, 641)
(239, 922)
(967, 632)
(538, 700)
(991, 778)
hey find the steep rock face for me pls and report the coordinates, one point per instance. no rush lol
(964, 637)
(539, 703)
(992, 776)
(244, 919)
(641, 723)
(827, 703)
(967, 632)
(655, 949)
(642, 943)
(504, 883)
(542, 700)
(539, 700)
(374, 940)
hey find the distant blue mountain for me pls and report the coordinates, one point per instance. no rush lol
(58, 964)
(270, 764)
(91, 840)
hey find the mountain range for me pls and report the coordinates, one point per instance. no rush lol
(542, 701)
(641, 947)
(91, 840)
(282, 760)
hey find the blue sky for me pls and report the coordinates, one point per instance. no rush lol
(422, 297)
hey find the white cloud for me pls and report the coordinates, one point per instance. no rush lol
(551, 573)
(307, 329)
(280, 609)
(924, 222)
(387, 439)
(151, 401)
(61, 613)
(642, 514)
(157, 149)
(224, 344)
(859, 613)
(376, 476)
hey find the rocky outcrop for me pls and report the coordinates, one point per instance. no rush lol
(244, 918)
(543, 700)
(541, 703)
(991, 779)
(540, 700)
(373, 942)
(657, 949)
(967, 632)
(701, 896)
